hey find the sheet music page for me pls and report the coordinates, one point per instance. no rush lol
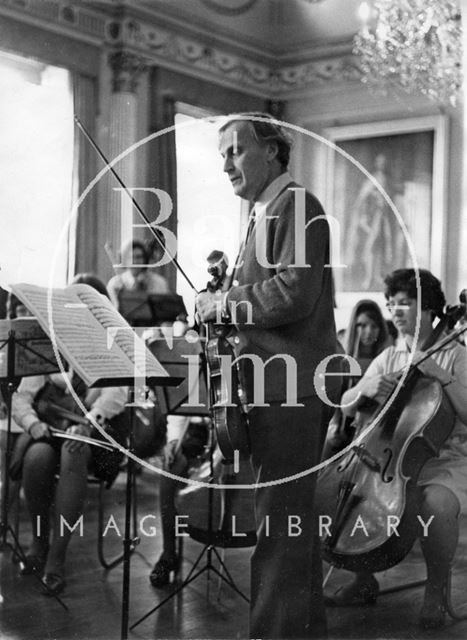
(79, 321)
(109, 318)
(33, 350)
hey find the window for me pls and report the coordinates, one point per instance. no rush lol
(36, 165)
(208, 210)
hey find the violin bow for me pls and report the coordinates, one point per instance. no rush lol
(58, 433)
(154, 232)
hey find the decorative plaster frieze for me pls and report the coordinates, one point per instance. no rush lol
(57, 13)
(173, 47)
(314, 73)
(196, 56)
(222, 64)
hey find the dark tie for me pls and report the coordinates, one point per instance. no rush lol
(249, 231)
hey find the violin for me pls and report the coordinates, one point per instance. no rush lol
(369, 498)
(227, 405)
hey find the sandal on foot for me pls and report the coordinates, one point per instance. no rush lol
(160, 575)
(355, 594)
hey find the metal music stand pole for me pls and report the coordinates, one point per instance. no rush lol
(129, 543)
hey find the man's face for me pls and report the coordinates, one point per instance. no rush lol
(247, 163)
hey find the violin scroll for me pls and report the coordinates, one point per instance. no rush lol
(218, 264)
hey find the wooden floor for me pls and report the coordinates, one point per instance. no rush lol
(94, 596)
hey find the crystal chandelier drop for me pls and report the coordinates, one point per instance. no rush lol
(416, 44)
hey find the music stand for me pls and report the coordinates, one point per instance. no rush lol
(167, 307)
(129, 542)
(175, 402)
(173, 355)
(28, 352)
(143, 309)
(134, 307)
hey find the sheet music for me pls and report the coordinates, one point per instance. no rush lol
(79, 320)
(33, 350)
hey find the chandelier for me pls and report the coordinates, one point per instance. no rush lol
(416, 44)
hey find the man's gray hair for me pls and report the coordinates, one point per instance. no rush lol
(265, 129)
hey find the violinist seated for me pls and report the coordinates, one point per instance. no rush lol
(136, 274)
(443, 479)
(366, 337)
(44, 456)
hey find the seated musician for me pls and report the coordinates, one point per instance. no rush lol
(155, 251)
(137, 276)
(443, 479)
(365, 337)
(46, 456)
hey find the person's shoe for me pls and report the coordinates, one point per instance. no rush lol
(160, 575)
(53, 584)
(355, 594)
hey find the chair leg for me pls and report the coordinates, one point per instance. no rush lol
(180, 553)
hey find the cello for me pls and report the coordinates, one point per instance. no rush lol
(368, 499)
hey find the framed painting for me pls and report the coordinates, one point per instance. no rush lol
(385, 186)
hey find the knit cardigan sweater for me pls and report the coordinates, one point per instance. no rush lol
(280, 306)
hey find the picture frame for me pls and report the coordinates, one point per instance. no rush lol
(386, 187)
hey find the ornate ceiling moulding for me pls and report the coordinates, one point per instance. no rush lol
(184, 53)
(188, 55)
(58, 16)
(313, 74)
(229, 7)
(165, 47)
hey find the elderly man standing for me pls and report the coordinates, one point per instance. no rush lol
(281, 304)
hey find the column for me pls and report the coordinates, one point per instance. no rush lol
(126, 70)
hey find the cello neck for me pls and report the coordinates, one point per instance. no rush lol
(450, 337)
